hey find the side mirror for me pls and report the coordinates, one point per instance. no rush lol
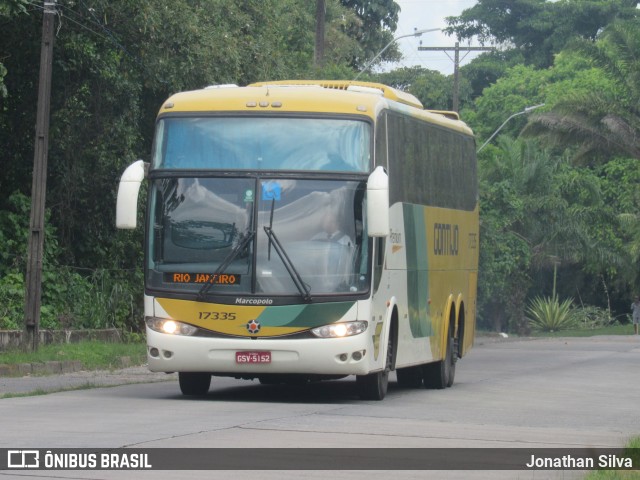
(378, 203)
(127, 203)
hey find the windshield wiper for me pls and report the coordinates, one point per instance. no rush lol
(225, 263)
(302, 287)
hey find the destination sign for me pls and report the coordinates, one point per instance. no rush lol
(201, 278)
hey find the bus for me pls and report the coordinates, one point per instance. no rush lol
(299, 231)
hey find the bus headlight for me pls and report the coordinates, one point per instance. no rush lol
(339, 330)
(170, 327)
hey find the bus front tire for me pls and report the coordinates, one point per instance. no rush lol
(374, 386)
(194, 383)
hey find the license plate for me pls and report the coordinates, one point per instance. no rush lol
(253, 357)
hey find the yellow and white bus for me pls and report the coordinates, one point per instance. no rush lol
(307, 230)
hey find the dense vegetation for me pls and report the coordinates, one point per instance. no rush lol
(559, 204)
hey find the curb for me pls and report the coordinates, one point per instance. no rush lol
(53, 367)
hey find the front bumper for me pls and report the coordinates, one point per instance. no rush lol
(321, 356)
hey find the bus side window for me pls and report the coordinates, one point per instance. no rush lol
(379, 262)
(381, 142)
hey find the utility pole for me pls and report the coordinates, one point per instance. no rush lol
(39, 184)
(321, 9)
(456, 66)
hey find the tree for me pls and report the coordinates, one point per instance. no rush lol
(377, 20)
(521, 86)
(609, 121)
(432, 88)
(620, 179)
(8, 9)
(538, 28)
(487, 68)
(540, 215)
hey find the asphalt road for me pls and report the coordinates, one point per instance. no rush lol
(528, 394)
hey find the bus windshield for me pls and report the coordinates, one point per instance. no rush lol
(262, 143)
(198, 224)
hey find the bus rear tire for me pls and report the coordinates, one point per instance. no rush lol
(194, 383)
(441, 374)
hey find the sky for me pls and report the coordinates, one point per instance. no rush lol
(424, 14)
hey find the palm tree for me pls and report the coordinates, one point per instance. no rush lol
(554, 218)
(601, 122)
(631, 222)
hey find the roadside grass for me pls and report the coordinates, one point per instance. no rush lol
(632, 450)
(617, 329)
(41, 391)
(92, 355)
(626, 329)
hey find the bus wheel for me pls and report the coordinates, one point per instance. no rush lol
(454, 358)
(194, 383)
(441, 374)
(374, 386)
(410, 377)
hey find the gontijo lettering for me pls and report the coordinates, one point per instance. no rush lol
(445, 239)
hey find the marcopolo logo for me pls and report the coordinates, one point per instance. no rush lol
(23, 459)
(253, 301)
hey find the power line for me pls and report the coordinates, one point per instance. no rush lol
(65, 12)
(113, 38)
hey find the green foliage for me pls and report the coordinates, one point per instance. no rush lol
(9, 8)
(14, 231)
(505, 255)
(487, 68)
(545, 219)
(377, 20)
(433, 89)
(608, 122)
(550, 314)
(579, 331)
(631, 450)
(520, 87)
(97, 299)
(92, 354)
(539, 29)
(620, 179)
(3, 89)
(12, 306)
(589, 317)
(540, 216)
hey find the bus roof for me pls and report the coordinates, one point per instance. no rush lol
(335, 96)
(351, 86)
